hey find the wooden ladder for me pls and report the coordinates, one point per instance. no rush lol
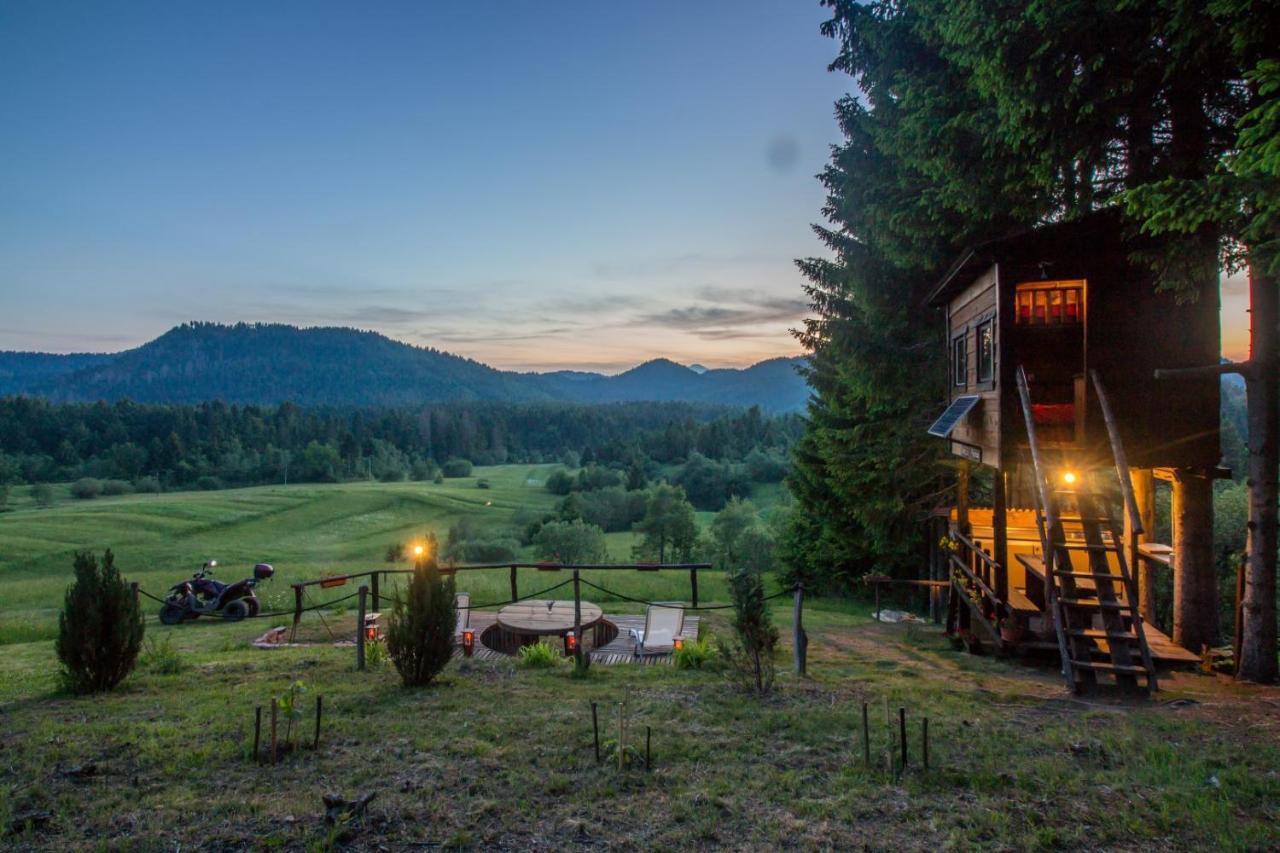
(1094, 611)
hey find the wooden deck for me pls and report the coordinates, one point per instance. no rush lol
(620, 651)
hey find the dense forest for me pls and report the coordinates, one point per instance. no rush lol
(214, 444)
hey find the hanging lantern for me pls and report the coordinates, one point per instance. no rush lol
(468, 642)
(570, 643)
(677, 644)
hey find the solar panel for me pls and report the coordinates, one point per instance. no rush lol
(959, 407)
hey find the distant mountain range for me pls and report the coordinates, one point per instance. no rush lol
(271, 363)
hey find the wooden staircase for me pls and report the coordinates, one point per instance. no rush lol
(1094, 610)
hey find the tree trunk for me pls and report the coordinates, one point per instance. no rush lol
(1144, 492)
(1258, 643)
(1195, 600)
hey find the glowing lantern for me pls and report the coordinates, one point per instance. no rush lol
(677, 644)
(570, 643)
(418, 550)
(468, 642)
(1069, 477)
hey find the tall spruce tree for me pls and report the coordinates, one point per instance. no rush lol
(977, 118)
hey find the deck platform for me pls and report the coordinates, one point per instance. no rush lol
(618, 651)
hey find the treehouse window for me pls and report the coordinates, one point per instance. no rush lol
(960, 361)
(1050, 303)
(987, 351)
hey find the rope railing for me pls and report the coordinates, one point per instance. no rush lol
(395, 600)
(624, 597)
(324, 605)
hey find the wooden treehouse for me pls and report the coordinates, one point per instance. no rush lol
(1054, 337)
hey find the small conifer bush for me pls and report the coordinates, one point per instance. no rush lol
(420, 634)
(100, 629)
(750, 654)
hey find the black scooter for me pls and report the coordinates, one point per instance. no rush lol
(204, 596)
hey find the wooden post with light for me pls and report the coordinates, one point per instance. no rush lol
(580, 661)
(360, 628)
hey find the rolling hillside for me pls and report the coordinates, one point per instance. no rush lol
(261, 363)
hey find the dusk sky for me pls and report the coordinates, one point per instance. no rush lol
(534, 185)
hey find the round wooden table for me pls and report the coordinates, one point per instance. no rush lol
(541, 617)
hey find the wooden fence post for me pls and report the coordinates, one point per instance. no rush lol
(579, 659)
(515, 593)
(297, 609)
(364, 593)
(693, 585)
(377, 599)
(800, 639)
(133, 587)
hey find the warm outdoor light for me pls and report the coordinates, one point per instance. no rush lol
(417, 550)
(468, 642)
(371, 632)
(570, 643)
(1069, 477)
(677, 644)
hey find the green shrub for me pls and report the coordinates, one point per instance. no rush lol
(395, 553)
(750, 656)
(86, 488)
(147, 485)
(162, 658)
(375, 654)
(42, 494)
(456, 468)
(540, 655)
(692, 654)
(100, 629)
(116, 487)
(208, 483)
(420, 633)
(482, 484)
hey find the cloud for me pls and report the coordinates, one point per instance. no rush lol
(701, 318)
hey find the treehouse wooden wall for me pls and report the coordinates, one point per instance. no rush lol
(976, 305)
(1131, 330)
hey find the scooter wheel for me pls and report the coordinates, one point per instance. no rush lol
(171, 614)
(254, 606)
(235, 610)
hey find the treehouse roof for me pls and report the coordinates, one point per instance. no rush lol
(1072, 238)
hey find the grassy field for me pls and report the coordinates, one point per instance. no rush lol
(496, 755)
(305, 531)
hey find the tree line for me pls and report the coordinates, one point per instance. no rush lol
(215, 444)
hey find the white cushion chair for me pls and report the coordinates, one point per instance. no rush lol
(462, 601)
(663, 622)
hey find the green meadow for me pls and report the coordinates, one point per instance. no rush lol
(304, 531)
(498, 755)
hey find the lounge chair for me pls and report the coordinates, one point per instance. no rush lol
(663, 622)
(462, 601)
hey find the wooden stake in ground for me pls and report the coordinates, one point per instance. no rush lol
(924, 742)
(621, 737)
(866, 736)
(257, 732)
(315, 743)
(274, 710)
(902, 734)
(648, 734)
(595, 730)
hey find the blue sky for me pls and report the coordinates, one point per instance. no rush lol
(533, 185)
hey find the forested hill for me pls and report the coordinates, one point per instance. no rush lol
(268, 364)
